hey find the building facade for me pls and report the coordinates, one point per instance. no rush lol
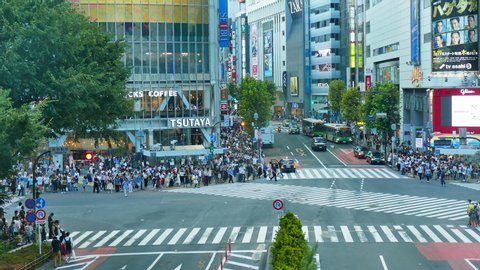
(172, 53)
(325, 54)
(267, 47)
(401, 47)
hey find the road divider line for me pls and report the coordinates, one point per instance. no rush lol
(383, 262)
(155, 262)
(313, 154)
(337, 157)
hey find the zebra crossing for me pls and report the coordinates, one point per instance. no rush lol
(266, 234)
(408, 205)
(344, 173)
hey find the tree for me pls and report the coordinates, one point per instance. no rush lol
(352, 105)
(255, 97)
(335, 92)
(382, 98)
(290, 250)
(21, 130)
(49, 51)
(232, 89)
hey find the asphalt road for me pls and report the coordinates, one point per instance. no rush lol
(375, 222)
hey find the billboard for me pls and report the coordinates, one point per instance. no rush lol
(456, 108)
(223, 24)
(268, 53)
(253, 48)
(294, 86)
(415, 31)
(455, 36)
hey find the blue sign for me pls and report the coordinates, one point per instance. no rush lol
(254, 139)
(30, 203)
(40, 203)
(224, 38)
(213, 138)
(31, 217)
(414, 31)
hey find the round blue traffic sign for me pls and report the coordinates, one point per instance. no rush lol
(40, 203)
(30, 217)
(30, 203)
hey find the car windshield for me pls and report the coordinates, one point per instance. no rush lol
(364, 149)
(377, 154)
(287, 161)
(318, 140)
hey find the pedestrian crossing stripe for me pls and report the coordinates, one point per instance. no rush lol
(427, 207)
(343, 173)
(266, 234)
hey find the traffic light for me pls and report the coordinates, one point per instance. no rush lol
(242, 124)
(88, 156)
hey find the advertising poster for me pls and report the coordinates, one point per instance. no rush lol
(294, 86)
(414, 31)
(253, 48)
(455, 36)
(268, 54)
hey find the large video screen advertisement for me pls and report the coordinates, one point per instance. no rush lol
(455, 35)
(455, 108)
(466, 111)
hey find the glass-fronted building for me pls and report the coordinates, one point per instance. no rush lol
(172, 50)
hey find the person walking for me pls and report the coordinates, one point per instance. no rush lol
(442, 178)
(68, 246)
(57, 256)
(125, 185)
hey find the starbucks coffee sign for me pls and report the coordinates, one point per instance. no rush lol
(190, 122)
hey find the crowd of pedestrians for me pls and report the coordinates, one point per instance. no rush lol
(427, 166)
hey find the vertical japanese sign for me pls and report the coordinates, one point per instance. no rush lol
(223, 23)
(268, 53)
(455, 35)
(415, 31)
(253, 48)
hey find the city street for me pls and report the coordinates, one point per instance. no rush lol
(355, 223)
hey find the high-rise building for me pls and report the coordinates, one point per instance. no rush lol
(172, 53)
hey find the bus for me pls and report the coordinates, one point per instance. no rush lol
(313, 127)
(338, 133)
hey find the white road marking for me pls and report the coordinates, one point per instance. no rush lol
(149, 237)
(417, 234)
(305, 232)
(205, 236)
(318, 233)
(360, 234)
(234, 234)
(346, 234)
(388, 233)
(383, 263)
(262, 234)
(93, 238)
(162, 237)
(121, 238)
(191, 235)
(445, 234)
(155, 262)
(134, 238)
(218, 237)
(337, 157)
(432, 236)
(177, 236)
(106, 238)
(375, 234)
(313, 154)
(248, 235)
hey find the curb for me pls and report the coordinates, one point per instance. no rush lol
(268, 260)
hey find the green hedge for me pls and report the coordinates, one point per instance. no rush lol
(290, 250)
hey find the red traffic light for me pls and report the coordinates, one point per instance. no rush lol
(89, 156)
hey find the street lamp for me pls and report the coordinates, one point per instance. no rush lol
(256, 131)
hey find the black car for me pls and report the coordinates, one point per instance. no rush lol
(360, 151)
(287, 165)
(294, 130)
(319, 143)
(375, 157)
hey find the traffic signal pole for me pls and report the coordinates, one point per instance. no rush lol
(34, 195)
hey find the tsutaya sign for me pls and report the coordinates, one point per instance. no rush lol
(190, 122)
(152, 93)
